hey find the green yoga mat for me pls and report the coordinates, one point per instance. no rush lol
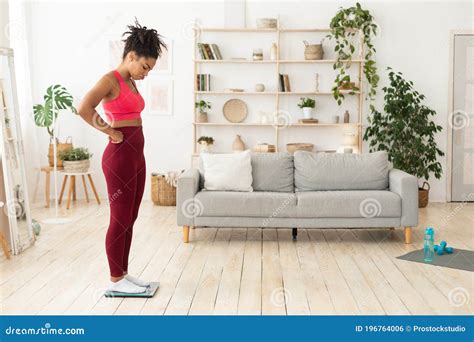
(460, 259)
(150, 292)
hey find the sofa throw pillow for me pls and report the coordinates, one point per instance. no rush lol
(341, 171)
(227, 171)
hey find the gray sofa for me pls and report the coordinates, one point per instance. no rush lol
(305, 190)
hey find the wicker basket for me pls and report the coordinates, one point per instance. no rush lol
(293, 147)
(423, 195)
(78, 166)
(161, 192)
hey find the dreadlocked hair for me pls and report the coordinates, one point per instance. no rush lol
(143, 41)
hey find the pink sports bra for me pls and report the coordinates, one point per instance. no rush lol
(127, 106)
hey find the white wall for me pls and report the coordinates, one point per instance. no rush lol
(3, 23)
(70, 48)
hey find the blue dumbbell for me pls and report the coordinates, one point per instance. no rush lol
(440, 249)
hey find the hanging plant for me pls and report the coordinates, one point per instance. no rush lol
(405, 129)
(344, 26)
(44, 113)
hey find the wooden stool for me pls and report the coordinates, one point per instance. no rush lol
(72, 186)
(4, 243)
(47, 170)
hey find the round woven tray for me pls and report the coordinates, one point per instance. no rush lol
(235, 110)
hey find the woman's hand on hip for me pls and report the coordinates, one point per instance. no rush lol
(116, 137)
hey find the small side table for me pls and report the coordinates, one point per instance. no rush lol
(47, 171)
(72, 186)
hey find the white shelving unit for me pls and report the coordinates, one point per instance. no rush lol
(198, 95)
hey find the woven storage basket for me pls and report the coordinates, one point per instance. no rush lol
(161, 192)
(423, 195)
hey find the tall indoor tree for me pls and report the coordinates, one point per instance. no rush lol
(405, 129)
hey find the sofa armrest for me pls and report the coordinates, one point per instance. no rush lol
(406, 186)
(188, 186)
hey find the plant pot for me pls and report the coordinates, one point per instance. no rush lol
(307, 112)
(423, 195)
(347, 85)
(205, 147)
(9, 133)
(60, 147)
(201, 117)
(77, 166)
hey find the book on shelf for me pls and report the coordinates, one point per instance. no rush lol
(216, 51)
(284, 83)
(209, 51)
(286, 80)
(203, 82)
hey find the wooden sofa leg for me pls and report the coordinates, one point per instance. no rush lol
(185, 234)
(407, 234)
(294, 233)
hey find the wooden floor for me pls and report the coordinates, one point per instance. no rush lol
(238, 271)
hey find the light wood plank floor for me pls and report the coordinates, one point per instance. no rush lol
(238, 271)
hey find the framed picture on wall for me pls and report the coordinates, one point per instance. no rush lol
(164, 64)
(159, 96)
(115, 50)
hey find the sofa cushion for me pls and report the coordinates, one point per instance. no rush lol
(350, 203)
(273, 172)
(250, 204)
(340, 171)
(227, 171)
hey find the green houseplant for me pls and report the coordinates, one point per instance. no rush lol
(405, 130)
(76, 159)
(202, 106)
(344, 26)
(307, 104)
(56, 98)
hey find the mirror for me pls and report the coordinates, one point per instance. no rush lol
(16, 208)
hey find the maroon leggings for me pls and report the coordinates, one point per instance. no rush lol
(124, 168)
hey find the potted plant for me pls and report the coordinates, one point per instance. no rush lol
(8, 128)
(56, 98)
(307, 104)
(202, 106)
(76, 159)
(405, 130)
(344, 26)
(205, 143)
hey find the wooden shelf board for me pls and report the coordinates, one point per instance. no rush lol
(268, 61)
(323, 124)
(270, 93)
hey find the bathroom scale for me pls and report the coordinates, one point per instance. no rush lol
(150, 292)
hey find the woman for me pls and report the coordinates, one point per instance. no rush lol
(123, 162)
